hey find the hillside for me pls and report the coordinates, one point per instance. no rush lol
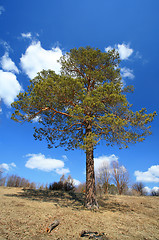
(25, 214)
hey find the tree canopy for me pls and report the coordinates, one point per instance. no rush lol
(83, 104)
(89, 89)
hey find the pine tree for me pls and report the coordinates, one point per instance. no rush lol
(84, 104)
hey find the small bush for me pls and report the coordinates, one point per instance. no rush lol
(155, 193)
(56, 186)
(138, 188)
(64, 184)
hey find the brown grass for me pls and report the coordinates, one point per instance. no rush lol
(25, 214)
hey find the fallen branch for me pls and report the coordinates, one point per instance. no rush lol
(52, 226)
(93, 235)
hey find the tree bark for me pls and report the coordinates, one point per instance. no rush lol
(91, 201)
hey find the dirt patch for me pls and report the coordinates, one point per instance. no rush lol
(26, 214)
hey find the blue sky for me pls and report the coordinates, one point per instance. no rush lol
(34, 34)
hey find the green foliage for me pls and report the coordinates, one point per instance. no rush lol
(84, 104)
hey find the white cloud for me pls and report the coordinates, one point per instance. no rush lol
(7, 167)
(26, 35)
(8, 64)
(155, 189)
(109, 48)
(13, 164)
(138, 55)
(9, 87)
(5, 45)
(37, 58)
(125, 52)
(1, 9)
(127, 73)
(76, 182)
(151, 175)
(104, 159)
(39, 161)
(123, 49)
(4, 166)
(64, 157)
(62, 171)
(36, 119)
(149, 190)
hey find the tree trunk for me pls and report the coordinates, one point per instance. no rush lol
(106, 189)
(91, 201)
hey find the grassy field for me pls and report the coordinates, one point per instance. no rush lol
(25, 214)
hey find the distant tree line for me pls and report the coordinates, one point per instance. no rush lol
(16, 181)
(112, 179)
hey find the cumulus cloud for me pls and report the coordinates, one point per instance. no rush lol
(12, 164)
(147, 190)
(26, 35)
(76, 182)
(125, 52)
(62, 171)
(127, 73)
(151, 175)
(104, 159)
(155, 189)
(150, 190)
(39, 161)
(123, 49)
(7, 167)
(4, 166)
(8, 64)
(37, 58)
(109, 48)
(1, 9)
(9, 87)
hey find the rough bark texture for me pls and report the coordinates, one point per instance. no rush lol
(91, 201)
(106, 189)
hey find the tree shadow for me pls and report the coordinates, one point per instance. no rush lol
(59, 198)
(69, 199)
(112, 205)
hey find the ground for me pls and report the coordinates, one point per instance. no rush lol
(25, 214)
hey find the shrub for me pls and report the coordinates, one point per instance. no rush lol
(138, 188)
(64, 184)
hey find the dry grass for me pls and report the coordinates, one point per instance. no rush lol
(25, 214)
